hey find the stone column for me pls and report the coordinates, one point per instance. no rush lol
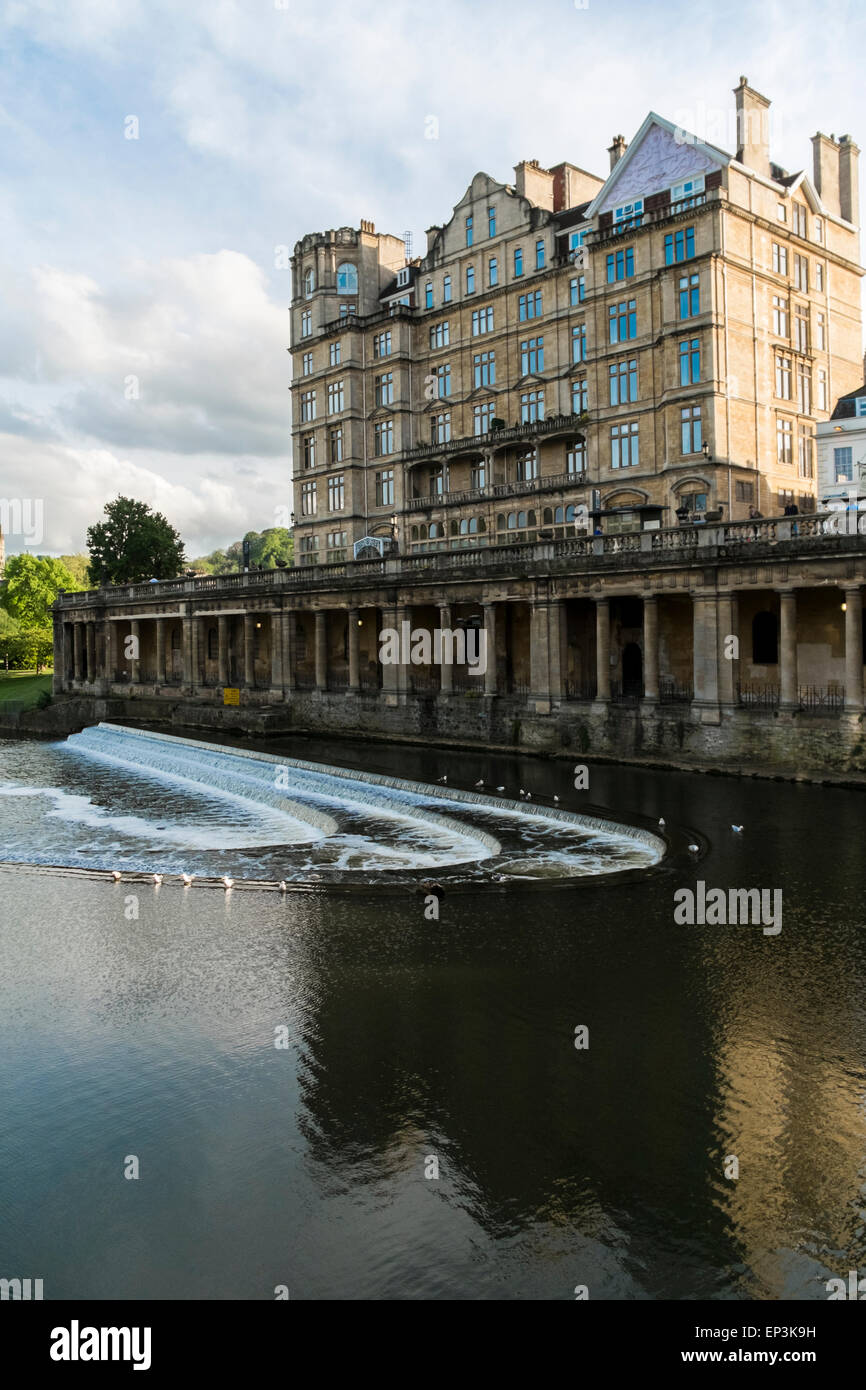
(321, 649)
(135, 651)
(58, 678)
(76, 652)
(705, 653)
(854, 648)
(728, 628)
(393, 675)
(788, 651)
(249, 650)
(490, 683)
(539, 657)
(109, 672)
(287, 625)
(89, 653)
(446, 669)
(555, 620)
(223, 649)
(161, 624)
(276, 651)
(188, 657)
(651, 649)
(602, 649)
(353, 619)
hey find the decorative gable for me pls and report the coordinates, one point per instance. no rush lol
(660, 157)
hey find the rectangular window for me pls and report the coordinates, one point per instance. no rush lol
(801, 329)
(575, 456)
(804, 452)
(843, 465)
(577, 290)
(336, 401)
(780, 316)
(518, 261)
(798, 213)
(383, 437)
(309, 443)
(428, 295)
(579, 397)
(306, 323)
(680, 245)
(531, 407)
(691, 432)
(484, 369)
(801, 274)
(578, 343)
(385, 488)
(784, 441)
(690, 361)
(620, 265)
(819, 276)
(531, 355)
(469, 231)
(622, 321)
(690, 296)
(470, 279)
(822, 389)
(446, 290)
(384, 385)
(529, 306)
(491, 221)
(335, 353)
(307, 361)
(783, 378)
(308, 405)
(819, 230)
(440, 334)
(630, 212)
(804, 389)
(492, 272)
(481, 417)
(335, 444)
(781, 212)
(308, 499)
(382, 344)
(527, 466)
(685, 192)
(440, 428)
(821, 333)
(624, 451)
(576, 240)
(482, 321)
(623, 381)
(780, 259)
(478, 475)
(744, 492)
(539, 255)
(442, 374)
(336, 493)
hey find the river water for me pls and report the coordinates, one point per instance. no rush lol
(140, 1020)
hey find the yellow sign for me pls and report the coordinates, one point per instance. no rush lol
(230, 696)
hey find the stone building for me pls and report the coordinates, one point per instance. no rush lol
(577, 350)
(842, 453)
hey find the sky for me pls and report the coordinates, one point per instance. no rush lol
(159, 156)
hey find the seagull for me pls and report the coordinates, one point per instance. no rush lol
(694, 849)
(661, 822)
(522, 792)
(500, 789)
(226, 881)
(529, 796)
(737, 829)
(116, 875)
(187, 879)
(556, 798)
(480, 784)
(282, 885)
(157, 878)
(442, 779)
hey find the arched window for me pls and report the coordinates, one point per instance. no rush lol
(765, 639)
(414, 533)
(521, 519)
(455, 528)
(435, 530)
(347, 278)
(500, 522)
(423, 532)
(309, 281)
(569, 513)
(558, 516)
(473, 525)
(548, 516)
(482, 524)
(512, 521)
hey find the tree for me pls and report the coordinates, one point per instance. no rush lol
(77, 566)
(10, 640)
(266, 547)
(134, 544)
(30, 585)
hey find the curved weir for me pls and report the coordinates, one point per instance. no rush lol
(155, 802)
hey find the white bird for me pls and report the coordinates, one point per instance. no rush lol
(737, 829)
(187, 879)
(662, 822)
(282, 885)
(529, 796)
(480, 784)
(694, 849)
(116, 875)
(522, 792)
(442, 779)
(157, 878)
(556, 798)
(226, 881)
(500, 789)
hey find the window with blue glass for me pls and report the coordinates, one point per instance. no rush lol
(539, 255)
(470, 279)
(531, 355)
(622, 321)
(518, 260)
(629, 212)
(577, 290)
(579, 397)
(578, 343)
(690, 361)
(529, 306)
(620, 265)
(428, 295)
(843, 463)
(492, 271)
(469, 231)
(491, 221)
(623, 381)
(446, 290)
(680, 245)
(690, 296)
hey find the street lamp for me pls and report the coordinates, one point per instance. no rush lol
(394, 519)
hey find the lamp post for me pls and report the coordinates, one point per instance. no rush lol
(394, 520)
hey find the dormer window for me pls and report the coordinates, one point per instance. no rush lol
(629, 211)
(860, 405)
(403, 276)
(576, 240)
(688, 189)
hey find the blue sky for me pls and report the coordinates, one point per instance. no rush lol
(144, 327)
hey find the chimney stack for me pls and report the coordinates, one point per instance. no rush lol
(826, 165)
(534, 183)
(753, 128)
(849, 180)
(617, 150)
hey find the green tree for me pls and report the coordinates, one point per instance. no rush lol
(266, 547)
(10, 640)
(30, 585)
(133, 544)
(77, 566)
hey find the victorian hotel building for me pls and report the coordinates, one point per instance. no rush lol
(575, 422)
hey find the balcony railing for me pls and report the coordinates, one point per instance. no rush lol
(512, 434)
(518, 487)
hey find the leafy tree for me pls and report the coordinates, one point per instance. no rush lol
(266, 547)
(30, 586)
(133, 544)
(77, 566)
(10, 639)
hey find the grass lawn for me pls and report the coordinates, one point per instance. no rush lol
(23, 685)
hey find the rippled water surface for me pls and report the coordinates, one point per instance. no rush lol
(408, 1038)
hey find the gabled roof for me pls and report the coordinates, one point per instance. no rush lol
(660, 155)
(845, 408)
